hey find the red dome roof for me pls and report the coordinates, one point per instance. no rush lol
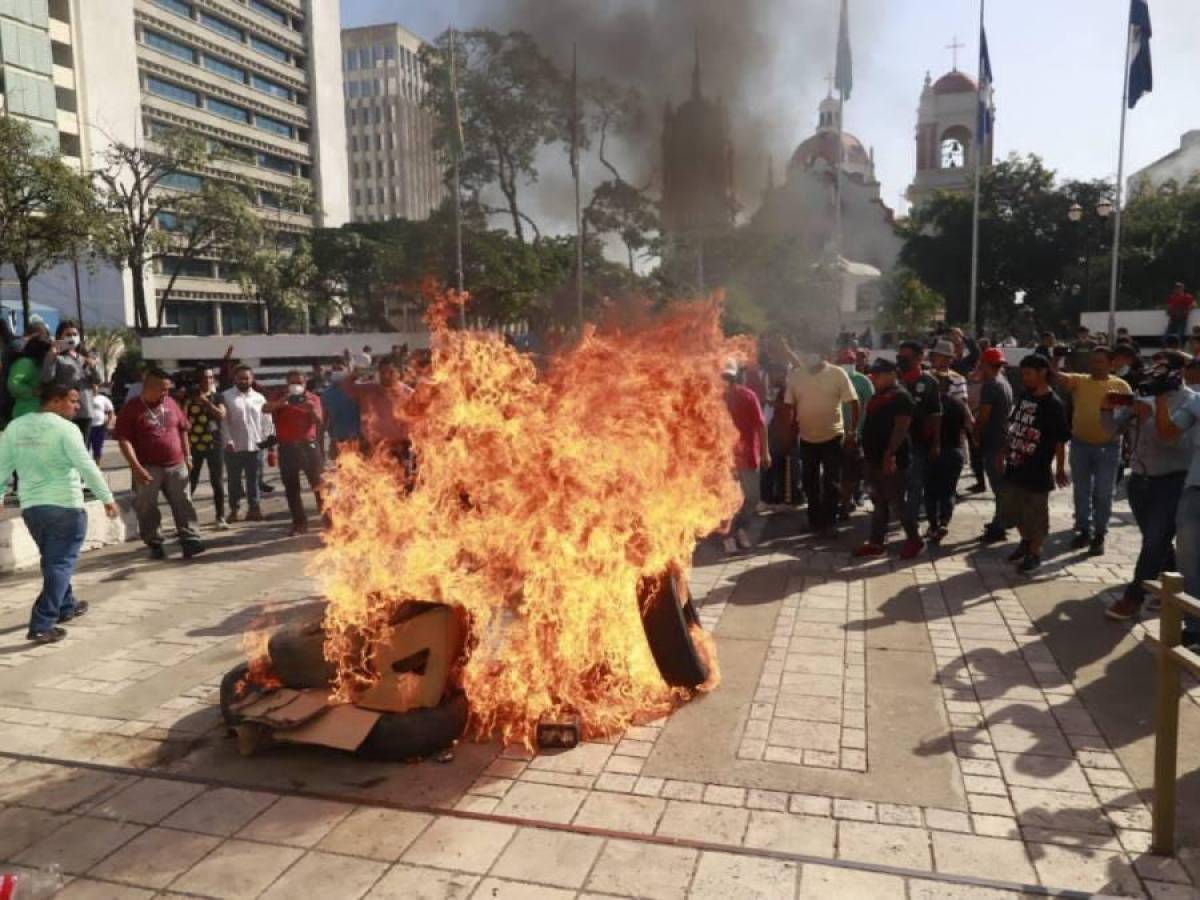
(954, 83)
(823, 145)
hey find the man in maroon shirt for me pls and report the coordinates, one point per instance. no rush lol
(152, 432)
(750, 455)
(1179, 306)
(298, 421)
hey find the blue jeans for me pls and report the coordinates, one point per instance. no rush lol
(915, 484)
(1154, 501)
(244, 470)
(58, 532)
(1187, 550)
(1094, 473)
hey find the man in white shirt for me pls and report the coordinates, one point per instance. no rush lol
(103, 419)
(815, 394)
(243, 430)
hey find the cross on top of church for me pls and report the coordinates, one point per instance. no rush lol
(954, 46)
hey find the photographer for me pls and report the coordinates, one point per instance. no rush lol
(1183, 424)
(1158, 468)
(68, 363)
(298, 422)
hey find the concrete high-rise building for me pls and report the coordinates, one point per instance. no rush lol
(394, 169)
(259, 79)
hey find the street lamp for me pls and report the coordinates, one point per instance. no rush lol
(1104, 208)
(1075, 214)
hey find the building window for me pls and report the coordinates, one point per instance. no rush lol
(353, 143)
(171, 47)
(190, 318)
(349, 61)
(172, 92)
(227, 110)
(276, 163)
(268, 49)
(391, 143)
(239, 318)
(176, 6)
(224, 69)
(181, 181)
(379, 196)
(389, 53)
(274, 88)
(357, 197)
(353, 116)
(352, 89)
(379, 168)
(187, 268)
(354, 170)
(269, 199)
(378, 115)
(269, 11)
(364, 58)
(379, 142)
(266, 123)
(220, 26)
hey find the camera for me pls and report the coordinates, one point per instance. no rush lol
(1061, 350)
(1161, 382)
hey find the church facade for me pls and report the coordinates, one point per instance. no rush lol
(945, 137)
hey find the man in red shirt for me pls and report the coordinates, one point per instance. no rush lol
(749, 456)
(298, 421)
(1179, 306)
(152, 432)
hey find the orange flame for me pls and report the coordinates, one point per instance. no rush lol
(259, 673)
(540, 503)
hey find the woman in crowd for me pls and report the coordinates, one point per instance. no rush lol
(67, 363)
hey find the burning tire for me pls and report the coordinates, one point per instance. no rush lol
(230, 684)
(667, 616)
(418, 733)
(298, 656)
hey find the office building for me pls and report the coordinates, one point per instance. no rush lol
(394, 169)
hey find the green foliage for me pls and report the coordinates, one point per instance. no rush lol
(1160, 235)
(910, 306)
(273, 258)
(109, 345)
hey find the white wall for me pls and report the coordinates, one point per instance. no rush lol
(327, 110)
(262, 348)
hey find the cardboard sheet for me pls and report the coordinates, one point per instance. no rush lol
(343, 727)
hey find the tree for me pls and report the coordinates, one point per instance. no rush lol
(512, 101)
(133, 184)
(1160, 234)
(910, 307)
(274, 262)
(108, 345)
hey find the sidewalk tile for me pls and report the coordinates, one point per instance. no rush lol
(702, 822)
(1085, 869)
(1059, 811)
(945, 890)
(237, 869)
(221, 811)
(499, 889)
(1047, 772)
(322, 875)
(620, 812)
(982, 857)
(382, 834)
(87, 889)
(404, 882)
(78, 845)
(463, 845)
(548, 857)
(156, 857)
(297, 821)
(829, 882)
(651, 871)
(21, 827)
(790, 833)
(720, 876)
(146, 801)
(542, 802)
(899, 846)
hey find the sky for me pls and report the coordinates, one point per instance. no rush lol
(1057, 66)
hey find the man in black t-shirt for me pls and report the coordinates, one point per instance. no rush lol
(1037, 436)
(885, 444)
(926, 430)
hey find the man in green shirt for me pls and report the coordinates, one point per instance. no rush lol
(47, 452)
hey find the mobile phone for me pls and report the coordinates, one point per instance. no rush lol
(1116, 399)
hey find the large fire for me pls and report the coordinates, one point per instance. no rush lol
(541, 502)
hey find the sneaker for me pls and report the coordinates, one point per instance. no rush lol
(911, 547)
(1124, 609)
(1096, 547)
(49, 636)
(730, 545)
(254, 515)
(1018, 554)
(993, 536)
(221, 524)
(192, 549)
(296, 530)
(743, 539)
(265, 488)
(1081, 540)
(158, 551)
(1029, 564)
(977, 488)
(81, 608)
(867, 550)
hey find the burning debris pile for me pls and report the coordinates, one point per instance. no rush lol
(554, 514)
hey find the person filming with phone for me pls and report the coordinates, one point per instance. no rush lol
(298, 420)
(67, 363)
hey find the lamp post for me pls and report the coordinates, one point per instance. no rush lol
(1104, 209)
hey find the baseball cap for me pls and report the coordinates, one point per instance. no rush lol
(731, 369)
(993, 356)
(943, 348)
(883, 365)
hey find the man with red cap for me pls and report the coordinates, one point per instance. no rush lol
(991, 426)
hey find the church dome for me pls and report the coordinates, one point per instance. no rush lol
(954, 83)
(823, 145)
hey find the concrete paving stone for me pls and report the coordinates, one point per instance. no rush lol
(894, 814)
(1112, 778)
(1085, 869)
(811, 686)
(298, 821)
(985, 767)
(56, 788)
(1134, 842)
(500, 889)
(987, 805)
(237, 869)
(556, 858)
(78, 845)
(505, 768)
(1160, 868)
(1021, 739)
(789, 833)
(651, 871)
(854, 739)
(827, 882)
(978, 784)
(1050, 773)
(326, 875)
(640, 749)
(855, 810)
(789, 755)
(562, 779)
(471, 803)
(611, 781)
(723, 876)
(21, 827)
(621, 812)
(683, 790)
(810, 805)
(805, 735)
(625, 765)
(486, 786)
(542, 802)
(382, 834)
(1130, 818)
(947, 820)
(982, 857)
(1070, 839)
(156, 857)
(89, 889)
(996, 826)
(899, 846)
(724, 796)
(463, 845)
(855, 760)
(648, 787)
(703, 822)
(585, 759)
(944, 890)
(222, 811)
(776, 801)
(1162, 891)
(1058, 811)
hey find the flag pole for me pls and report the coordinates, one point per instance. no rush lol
(575, 170)
(1116, 248)
(458, 149)
(972, 323)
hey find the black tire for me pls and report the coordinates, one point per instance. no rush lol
(298, 657)
(667, 611)
(229, 696)
(418, 733)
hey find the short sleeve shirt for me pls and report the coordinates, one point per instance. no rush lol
(102, 408)
(817, 398)
(880, 420)
(747, 416)
(1087, 394)
(1035, 429)
(156, 432)
(205, 431)
(1187, 418)
(997, 396)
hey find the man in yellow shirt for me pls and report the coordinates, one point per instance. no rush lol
(1095, 453)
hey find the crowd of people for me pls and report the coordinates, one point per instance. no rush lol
(823, 430)
(170, 427)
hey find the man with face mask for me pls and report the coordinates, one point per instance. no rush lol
(926, 433)
(814, 397)
(67, 364)
(152, 432)
(298, 419)
(243, 431)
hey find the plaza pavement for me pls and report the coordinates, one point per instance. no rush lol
(936, 729)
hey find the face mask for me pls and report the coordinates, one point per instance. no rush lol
(296, 390)
(72, 341)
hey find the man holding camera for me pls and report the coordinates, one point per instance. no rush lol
(1095, 452)
(1183, 424)
(298, 420)
(1158, 468)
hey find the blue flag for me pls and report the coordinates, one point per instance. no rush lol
(983, 128)
(1141, 72)
(843, 78)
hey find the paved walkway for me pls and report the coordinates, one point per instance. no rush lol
(940, 729)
